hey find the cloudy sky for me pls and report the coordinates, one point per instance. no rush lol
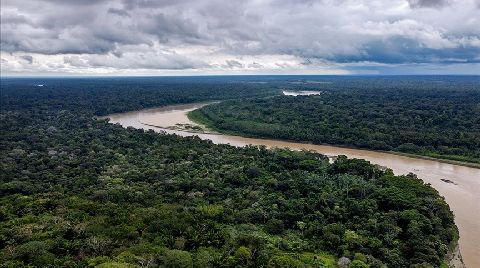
(190, 37)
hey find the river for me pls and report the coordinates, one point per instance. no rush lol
(463, 194)
(300, 92)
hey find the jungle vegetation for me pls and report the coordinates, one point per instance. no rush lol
(436, 118)
(80, 192)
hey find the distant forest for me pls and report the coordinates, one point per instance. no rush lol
(436, 117)
(80, 192)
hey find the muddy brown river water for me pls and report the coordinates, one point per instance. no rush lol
(462, 194)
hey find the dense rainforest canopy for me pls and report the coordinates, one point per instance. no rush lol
(76, 191)
(437, 117)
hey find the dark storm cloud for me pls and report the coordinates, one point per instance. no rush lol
(176, 34)
(401, 50)
(167, 27)
(118, 11)
(27, 58)
(230, 64)
(130, 4)
(427, 3)
(92, 27)
(77, 42)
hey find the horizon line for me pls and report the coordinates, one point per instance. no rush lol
(221, 75)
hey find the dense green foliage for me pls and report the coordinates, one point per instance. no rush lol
(76, 192)
(104, 96)
(431, 118)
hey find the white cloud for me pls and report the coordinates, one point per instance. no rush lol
(167, 36)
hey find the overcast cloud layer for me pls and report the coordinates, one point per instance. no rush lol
(133, 37)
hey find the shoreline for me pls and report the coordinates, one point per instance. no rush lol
(441, 160)
(215, 131)
(447, 161)
(454, 258)
(434, 170)
(158, 108)
(418, 156)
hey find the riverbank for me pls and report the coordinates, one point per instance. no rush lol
(454, 258)
(442, 160)
(198, 117)
(460, 195)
